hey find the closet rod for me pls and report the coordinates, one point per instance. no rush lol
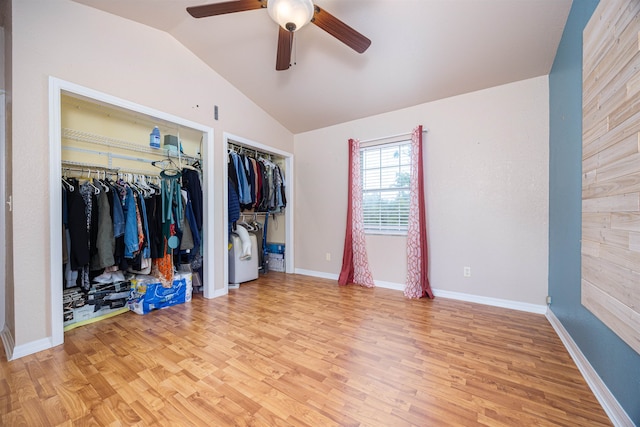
(243, 214)
(365, 141)
(112, 172)
(239, 147)
(87, 167)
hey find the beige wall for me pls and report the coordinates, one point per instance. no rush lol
(127, 60)
(486, 160)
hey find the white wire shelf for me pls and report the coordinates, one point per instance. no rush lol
(80, 136)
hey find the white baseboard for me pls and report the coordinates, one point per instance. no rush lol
(31, 348)
(219, 293)
(331, 276)
(7, 342)
(390, 285)
(612, 408)
(319, 274)
(496, 302)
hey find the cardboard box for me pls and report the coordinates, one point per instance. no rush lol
(100, 302)
(148, 294)
(88, 314)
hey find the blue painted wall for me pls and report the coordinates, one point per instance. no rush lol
(616, 363)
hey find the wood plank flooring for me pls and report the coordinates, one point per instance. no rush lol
(291, 350)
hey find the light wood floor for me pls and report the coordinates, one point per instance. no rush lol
(294, 350)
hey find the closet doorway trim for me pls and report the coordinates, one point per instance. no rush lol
(289, 193)
(56, 88)
(6, 202)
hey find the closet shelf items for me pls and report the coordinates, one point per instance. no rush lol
(91, 138)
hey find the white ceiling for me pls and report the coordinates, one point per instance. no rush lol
(421, 51)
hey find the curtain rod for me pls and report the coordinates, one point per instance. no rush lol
(389, 137)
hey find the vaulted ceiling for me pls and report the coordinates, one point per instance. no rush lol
(421, 51)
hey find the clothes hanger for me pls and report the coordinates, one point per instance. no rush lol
(154, 183)
(142, 183)
(170, 173)
(160, 163)
(167, 171)
(68, 185)
(104, 186)
(255, 222)
(242, 222)
(135, 183)
(96, 190)
(151, 189)
(182, 160)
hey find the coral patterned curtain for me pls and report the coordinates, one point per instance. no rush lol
(355, 264)
(417, 251)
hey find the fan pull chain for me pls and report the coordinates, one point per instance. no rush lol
(294, 50)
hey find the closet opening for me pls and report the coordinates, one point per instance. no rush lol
(104, 143)
(259, 220)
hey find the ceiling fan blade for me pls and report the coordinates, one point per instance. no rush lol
(285, 41)
(225, 7)
(340, 30)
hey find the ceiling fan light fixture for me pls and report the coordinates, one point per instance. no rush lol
(291, 14)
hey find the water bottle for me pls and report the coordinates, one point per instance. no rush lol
(154, 138)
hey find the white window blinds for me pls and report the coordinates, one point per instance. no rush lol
(386, 172)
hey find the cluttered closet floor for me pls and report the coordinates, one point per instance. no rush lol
(296, 350)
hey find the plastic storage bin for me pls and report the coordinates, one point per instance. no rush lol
(276, 262)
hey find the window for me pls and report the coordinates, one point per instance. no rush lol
(386, 174)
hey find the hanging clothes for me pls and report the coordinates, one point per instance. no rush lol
(77, 226)
(111, 226)
(191, 183)
(105, 239)
(233, 205)
(259, 183)
(244, 193)
(131, 242)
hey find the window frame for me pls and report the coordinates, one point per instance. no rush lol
(379, 228)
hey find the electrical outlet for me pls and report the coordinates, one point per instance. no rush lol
(327, 256)
(466, 272)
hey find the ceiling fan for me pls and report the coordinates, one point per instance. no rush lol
(291, 15)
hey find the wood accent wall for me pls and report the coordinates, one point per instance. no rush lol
(611, 168)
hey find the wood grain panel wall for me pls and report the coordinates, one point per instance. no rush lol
(611, 167)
